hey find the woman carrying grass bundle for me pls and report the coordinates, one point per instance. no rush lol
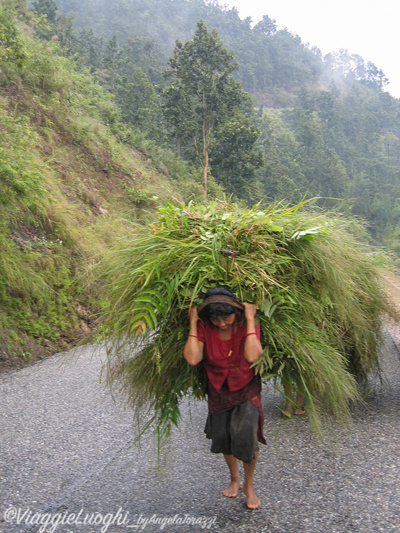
(223, 334)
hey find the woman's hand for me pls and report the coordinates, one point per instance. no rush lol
(250, 311)
(193, 315)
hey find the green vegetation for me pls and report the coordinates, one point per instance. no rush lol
(67, 187)
(204, 107)
(319, 298)
(327, 128)
(98, 117)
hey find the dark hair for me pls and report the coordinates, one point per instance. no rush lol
(219, 309)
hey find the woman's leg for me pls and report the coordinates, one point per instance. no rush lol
(300, 402)
(292, 405)
(289, 401)
(251, 499)
(233, 489)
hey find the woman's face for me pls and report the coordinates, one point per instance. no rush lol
(223, 322)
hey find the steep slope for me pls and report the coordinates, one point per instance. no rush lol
(68, 187)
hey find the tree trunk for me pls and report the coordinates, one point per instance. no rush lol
(205, 172)
(205, 157)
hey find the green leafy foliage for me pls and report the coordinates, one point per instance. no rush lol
(268, 59)
(46, 7)
(20, 177)
(204, 103)
(13, 53)
(319, 300)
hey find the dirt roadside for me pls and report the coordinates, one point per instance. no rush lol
(393, 283)
(392, 286)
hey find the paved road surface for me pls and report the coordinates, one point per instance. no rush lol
(66, 456)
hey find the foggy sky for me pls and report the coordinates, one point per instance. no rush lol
(364, 27)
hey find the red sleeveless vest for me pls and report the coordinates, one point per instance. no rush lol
(225, 360)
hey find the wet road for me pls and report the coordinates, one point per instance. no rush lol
(66, 463)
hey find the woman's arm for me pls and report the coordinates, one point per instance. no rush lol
(193, 351)
(252, 346)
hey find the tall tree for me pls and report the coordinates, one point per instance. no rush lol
(267, 26)
(139, 102)
(111, 62)
(13, 53)
(46, 7)
(234, 157)
(203, 94)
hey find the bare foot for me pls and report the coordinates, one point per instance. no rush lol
(252, 501)
(233, 490)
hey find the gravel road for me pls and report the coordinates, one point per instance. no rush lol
(66, 459)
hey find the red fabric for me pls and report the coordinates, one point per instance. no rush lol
(219, 365)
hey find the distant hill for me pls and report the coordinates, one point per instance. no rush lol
(327, 126)
(270, 60)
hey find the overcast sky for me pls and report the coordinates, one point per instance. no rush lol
(369, 28)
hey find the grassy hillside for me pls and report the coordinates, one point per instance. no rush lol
(70, 176)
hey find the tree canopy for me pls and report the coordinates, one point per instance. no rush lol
(204, 102)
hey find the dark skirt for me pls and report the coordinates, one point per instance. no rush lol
(234, 432)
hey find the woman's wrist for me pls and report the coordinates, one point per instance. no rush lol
(251, 325)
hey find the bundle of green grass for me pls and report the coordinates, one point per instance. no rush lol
(319, 298)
